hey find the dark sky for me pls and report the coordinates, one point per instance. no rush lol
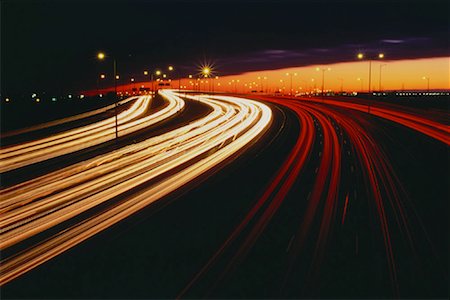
(51, 45)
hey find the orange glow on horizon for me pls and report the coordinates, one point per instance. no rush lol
(352, 76)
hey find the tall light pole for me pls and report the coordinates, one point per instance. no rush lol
(291, 74)
(323, 78)
(102, 56)
(428, 82)
(361, 56)
(360, 79)
(342, 84)
(379, 80)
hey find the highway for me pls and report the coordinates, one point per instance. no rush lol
(34, 206)
(329, 199)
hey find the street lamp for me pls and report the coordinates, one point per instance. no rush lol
(102, 56)
(428, 82)
(323, 78)
(379, 80)
(361, 57)
(360, 79)
(291, 74)
(342, 84)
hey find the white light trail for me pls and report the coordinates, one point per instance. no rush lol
(158, 166)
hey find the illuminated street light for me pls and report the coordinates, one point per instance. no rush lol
(206, 71)
(145, 73)
(361, 56)
(102, 76)
(323, 77)
(170, 68)
(291, 74)
(342, 84)
(158, 72)
(102, 56)
(379, 79)
(428, 82)
(360, 79)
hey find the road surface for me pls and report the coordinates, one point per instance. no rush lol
(327, 200)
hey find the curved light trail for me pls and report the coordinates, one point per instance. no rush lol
(157, 166)
(130, 120)
(328, 200)
(65, 120)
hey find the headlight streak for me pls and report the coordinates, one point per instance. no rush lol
(81, 138)
(232, 125)
(65, 120)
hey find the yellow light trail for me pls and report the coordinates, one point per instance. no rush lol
(168, 161)
(21, 155)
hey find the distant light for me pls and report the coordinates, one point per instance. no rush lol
(317, 69)
(360, 56)
(117, 76)
(145, 72)
(101, 55)
(381, 55)
(158, 72)
(164, 75)
(70, 96)
(132, 79)
(38, 100)
(7, 99)
(81, 96)
(54, 99)
(102, 76)
(170, 68)
(33, 95)
(101, 95)
(217, 77)
(190, 76)
(206, 71)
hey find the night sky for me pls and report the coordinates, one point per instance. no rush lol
(52, 45)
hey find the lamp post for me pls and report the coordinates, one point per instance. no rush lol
(360, 79)
(323, 78)
(428, 82)
(290, 88)
(206, 71)
(102, 56)
(342, 84)
(361, 56)
(379, 80)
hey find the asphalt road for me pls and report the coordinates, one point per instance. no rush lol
(331, 202)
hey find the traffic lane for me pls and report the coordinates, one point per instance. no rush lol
(64, 124)
(362, 239)
(189, 214)
(191, 112)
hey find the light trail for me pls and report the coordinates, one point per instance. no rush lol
(129, 121)
(408, 118)
(167, 162)
(65, 120)
(328, 200)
